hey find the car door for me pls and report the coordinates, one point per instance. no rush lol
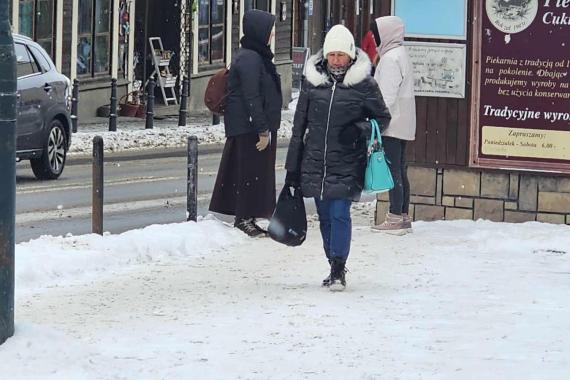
(52, 85)
(30, 94)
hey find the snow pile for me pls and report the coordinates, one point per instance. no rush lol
(59, 260)
(165, 134)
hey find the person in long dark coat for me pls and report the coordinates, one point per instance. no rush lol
(328, 149)
(245, 185)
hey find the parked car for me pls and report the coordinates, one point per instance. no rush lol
(43, 127)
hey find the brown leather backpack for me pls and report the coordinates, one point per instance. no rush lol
(216, 92)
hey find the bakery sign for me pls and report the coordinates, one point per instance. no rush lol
(521, 85)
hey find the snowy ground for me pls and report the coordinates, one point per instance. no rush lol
(453, 300)
(132, 135)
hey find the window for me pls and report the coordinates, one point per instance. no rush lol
(94, 38)
(40, 58)
(124, 27)
(211, 31)
(25, 64)
(264, 5)
(37, 22)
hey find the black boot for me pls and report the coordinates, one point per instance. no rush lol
(264, 231)
(327, 280)
(337, 277)
(247, 225)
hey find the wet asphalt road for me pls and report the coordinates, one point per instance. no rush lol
(140, 190)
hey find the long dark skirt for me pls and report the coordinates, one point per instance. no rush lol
(245, 185)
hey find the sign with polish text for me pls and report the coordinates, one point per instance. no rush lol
(521, 92)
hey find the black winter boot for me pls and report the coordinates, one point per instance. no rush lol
(248, 226)
(263, 230)
(327, 280)
(337, 277)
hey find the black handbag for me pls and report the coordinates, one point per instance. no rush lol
(288, 225)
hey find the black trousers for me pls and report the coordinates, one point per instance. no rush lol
(395, 150)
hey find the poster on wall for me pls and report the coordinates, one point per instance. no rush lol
(439, 69)
(523, 92)
(300, 56)
(445, 19)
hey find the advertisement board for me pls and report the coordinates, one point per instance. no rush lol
(300, 56)
(446, 19)
(439, 69)
(521, 91)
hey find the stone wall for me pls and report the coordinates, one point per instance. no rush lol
(514, 197)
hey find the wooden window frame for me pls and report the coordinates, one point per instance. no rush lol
(34, 35)
(93, 35)
(211, 63)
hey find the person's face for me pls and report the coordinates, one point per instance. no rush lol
(338, 59)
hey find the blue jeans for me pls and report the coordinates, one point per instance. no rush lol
(336, 227)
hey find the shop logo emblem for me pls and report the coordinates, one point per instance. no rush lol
(511, 16)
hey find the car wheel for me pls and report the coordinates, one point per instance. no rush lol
(50, 164)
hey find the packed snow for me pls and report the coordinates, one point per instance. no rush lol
(453, 300)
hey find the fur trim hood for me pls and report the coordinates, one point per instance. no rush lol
(356, 73)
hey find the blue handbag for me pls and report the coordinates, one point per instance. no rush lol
(377, 178)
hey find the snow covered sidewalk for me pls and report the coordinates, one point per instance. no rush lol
(454, 300)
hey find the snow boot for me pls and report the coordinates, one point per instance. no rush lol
(407, 223)
(337, 276)
(248, 226)
(263, 230)
(393, 225)
(327, 280)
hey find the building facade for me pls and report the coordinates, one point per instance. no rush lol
(94, 41)
(492, 94)
(216, 38)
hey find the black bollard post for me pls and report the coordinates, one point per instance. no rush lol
(183, 103)
(215, 119)
(8, 99)
(97, 199)
(113, 110)
(192, 189)
(74, 105)
(150, 104)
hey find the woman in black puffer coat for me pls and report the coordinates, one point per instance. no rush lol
(245, 185)
(327, 152)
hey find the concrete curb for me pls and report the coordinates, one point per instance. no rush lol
(148, 154)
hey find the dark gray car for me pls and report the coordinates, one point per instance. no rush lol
(43, 128)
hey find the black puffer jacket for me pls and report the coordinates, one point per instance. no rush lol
(328, 168)
(254, 88)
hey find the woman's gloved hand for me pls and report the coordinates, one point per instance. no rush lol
(264, 140)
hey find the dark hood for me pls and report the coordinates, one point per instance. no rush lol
(257, 25)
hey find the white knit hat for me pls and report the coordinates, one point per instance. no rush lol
(340, 39)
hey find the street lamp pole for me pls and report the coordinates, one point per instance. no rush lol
(8, 169)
